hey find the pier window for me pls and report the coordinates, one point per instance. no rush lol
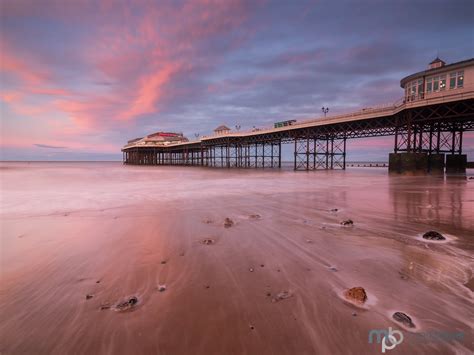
(460, 79)
(442, 82)
(429, 85)
(456, 80)
(413, 89)
(420, 88)
(436, 83)
(410, 90)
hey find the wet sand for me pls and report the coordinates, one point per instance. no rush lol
(112, 232)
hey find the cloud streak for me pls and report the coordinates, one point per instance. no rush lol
(48, 146)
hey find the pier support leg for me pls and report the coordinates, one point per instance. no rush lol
(408, 163)
(436, 163)
(456, 163)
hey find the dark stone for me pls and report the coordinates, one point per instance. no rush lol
(127, 305)
(208, 241)
(334, 210)
(404, 319)
(433, 235)
(163, 261)
(255, 216)
(228, 223)
(88, 297)
(347, 222)
(262, 265)
(162, 288)
(357, 294)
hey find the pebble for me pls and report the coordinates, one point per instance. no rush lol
(357, 294)
(282, 296)
(228, 223)
(251, 269)
(433, 235)
(161, 288)
(404, 319)
(127, 305)
(88, 297)
(347, 222)
(208, 241)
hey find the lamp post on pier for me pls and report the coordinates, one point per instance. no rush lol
(325, 110)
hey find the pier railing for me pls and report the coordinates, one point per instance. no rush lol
(392, 108)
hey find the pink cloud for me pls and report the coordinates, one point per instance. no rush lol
(12, 64)
(138, 51)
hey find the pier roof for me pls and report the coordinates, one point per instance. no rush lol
(452, 66)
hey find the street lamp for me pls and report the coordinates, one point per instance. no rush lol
(196, 135)
(325, 110)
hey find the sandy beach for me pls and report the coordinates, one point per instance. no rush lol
(80, 239)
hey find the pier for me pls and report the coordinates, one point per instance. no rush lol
(427, 125)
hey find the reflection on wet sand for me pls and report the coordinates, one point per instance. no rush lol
(105, 258)
(431, 199)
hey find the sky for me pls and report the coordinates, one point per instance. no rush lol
(80, 78)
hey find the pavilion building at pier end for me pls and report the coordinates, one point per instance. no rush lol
(427, 124)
